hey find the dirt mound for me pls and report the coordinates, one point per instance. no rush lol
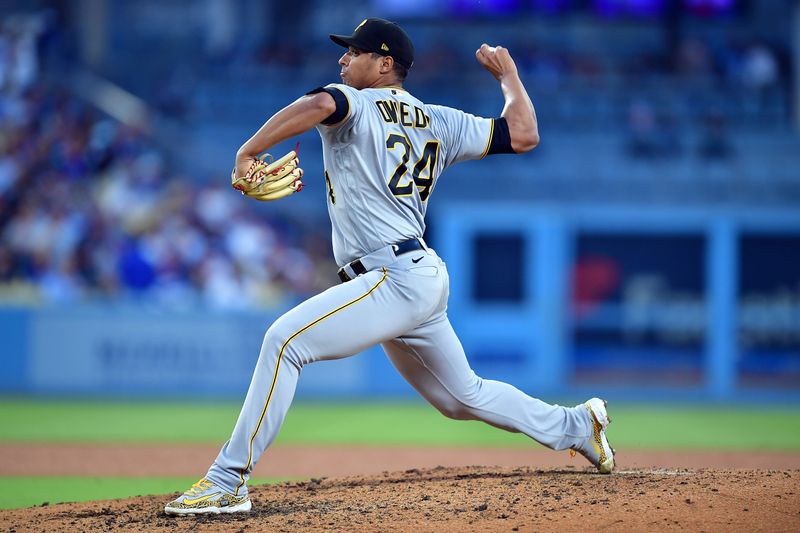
(469, 499)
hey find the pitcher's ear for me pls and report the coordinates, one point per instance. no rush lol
(387, 64)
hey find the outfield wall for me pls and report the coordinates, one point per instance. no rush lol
(647, 301)
(134, 352)
(696, 304)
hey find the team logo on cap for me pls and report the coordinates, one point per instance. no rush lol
(384, 47)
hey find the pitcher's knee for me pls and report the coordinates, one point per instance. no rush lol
(278, 344)
(456, 410)
(464, 405)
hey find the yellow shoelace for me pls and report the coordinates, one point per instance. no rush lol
(199, 487)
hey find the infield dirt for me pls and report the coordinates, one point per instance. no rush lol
(457, 498)
(469, 499)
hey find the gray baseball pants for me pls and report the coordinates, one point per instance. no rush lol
(401, 305)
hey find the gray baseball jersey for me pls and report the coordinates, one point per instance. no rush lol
(382, 161)
(382, 157)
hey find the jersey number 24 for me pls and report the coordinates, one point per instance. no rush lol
(422, 174)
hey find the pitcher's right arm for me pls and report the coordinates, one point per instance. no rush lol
(518, 110)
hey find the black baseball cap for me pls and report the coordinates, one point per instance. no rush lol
(382, 37)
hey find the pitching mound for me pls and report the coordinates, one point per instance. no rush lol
(469, 499)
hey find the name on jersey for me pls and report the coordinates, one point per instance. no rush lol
(395, 112)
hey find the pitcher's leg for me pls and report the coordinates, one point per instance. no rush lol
(341, 321)
(432, 360)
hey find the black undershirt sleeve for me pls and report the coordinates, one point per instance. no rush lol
(342, 105)
(501, 138)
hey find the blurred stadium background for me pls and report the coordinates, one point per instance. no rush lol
(649, 248)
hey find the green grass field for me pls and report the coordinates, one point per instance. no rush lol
(682, 427)
(18, 491)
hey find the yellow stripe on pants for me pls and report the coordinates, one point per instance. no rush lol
(278, 366)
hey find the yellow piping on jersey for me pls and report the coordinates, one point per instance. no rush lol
(489, 141)
(278, 366)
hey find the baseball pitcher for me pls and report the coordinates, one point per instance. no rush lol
(384, 151)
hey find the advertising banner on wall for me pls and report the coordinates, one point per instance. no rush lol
(769, 310)
(639, 307)
(119, 353)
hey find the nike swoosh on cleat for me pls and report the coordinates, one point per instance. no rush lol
(187, 501)
(418, 259)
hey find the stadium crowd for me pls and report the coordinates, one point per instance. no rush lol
(89, 209)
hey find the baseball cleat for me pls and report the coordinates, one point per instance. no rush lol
(207, 497)
(596, 448)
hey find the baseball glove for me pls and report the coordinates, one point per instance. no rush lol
(268, 180)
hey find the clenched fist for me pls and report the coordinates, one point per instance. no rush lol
(496, 60)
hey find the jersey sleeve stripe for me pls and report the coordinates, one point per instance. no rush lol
(278, 366)
(489, 140)
(501, 138)
(342, 111)
(349, 108)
